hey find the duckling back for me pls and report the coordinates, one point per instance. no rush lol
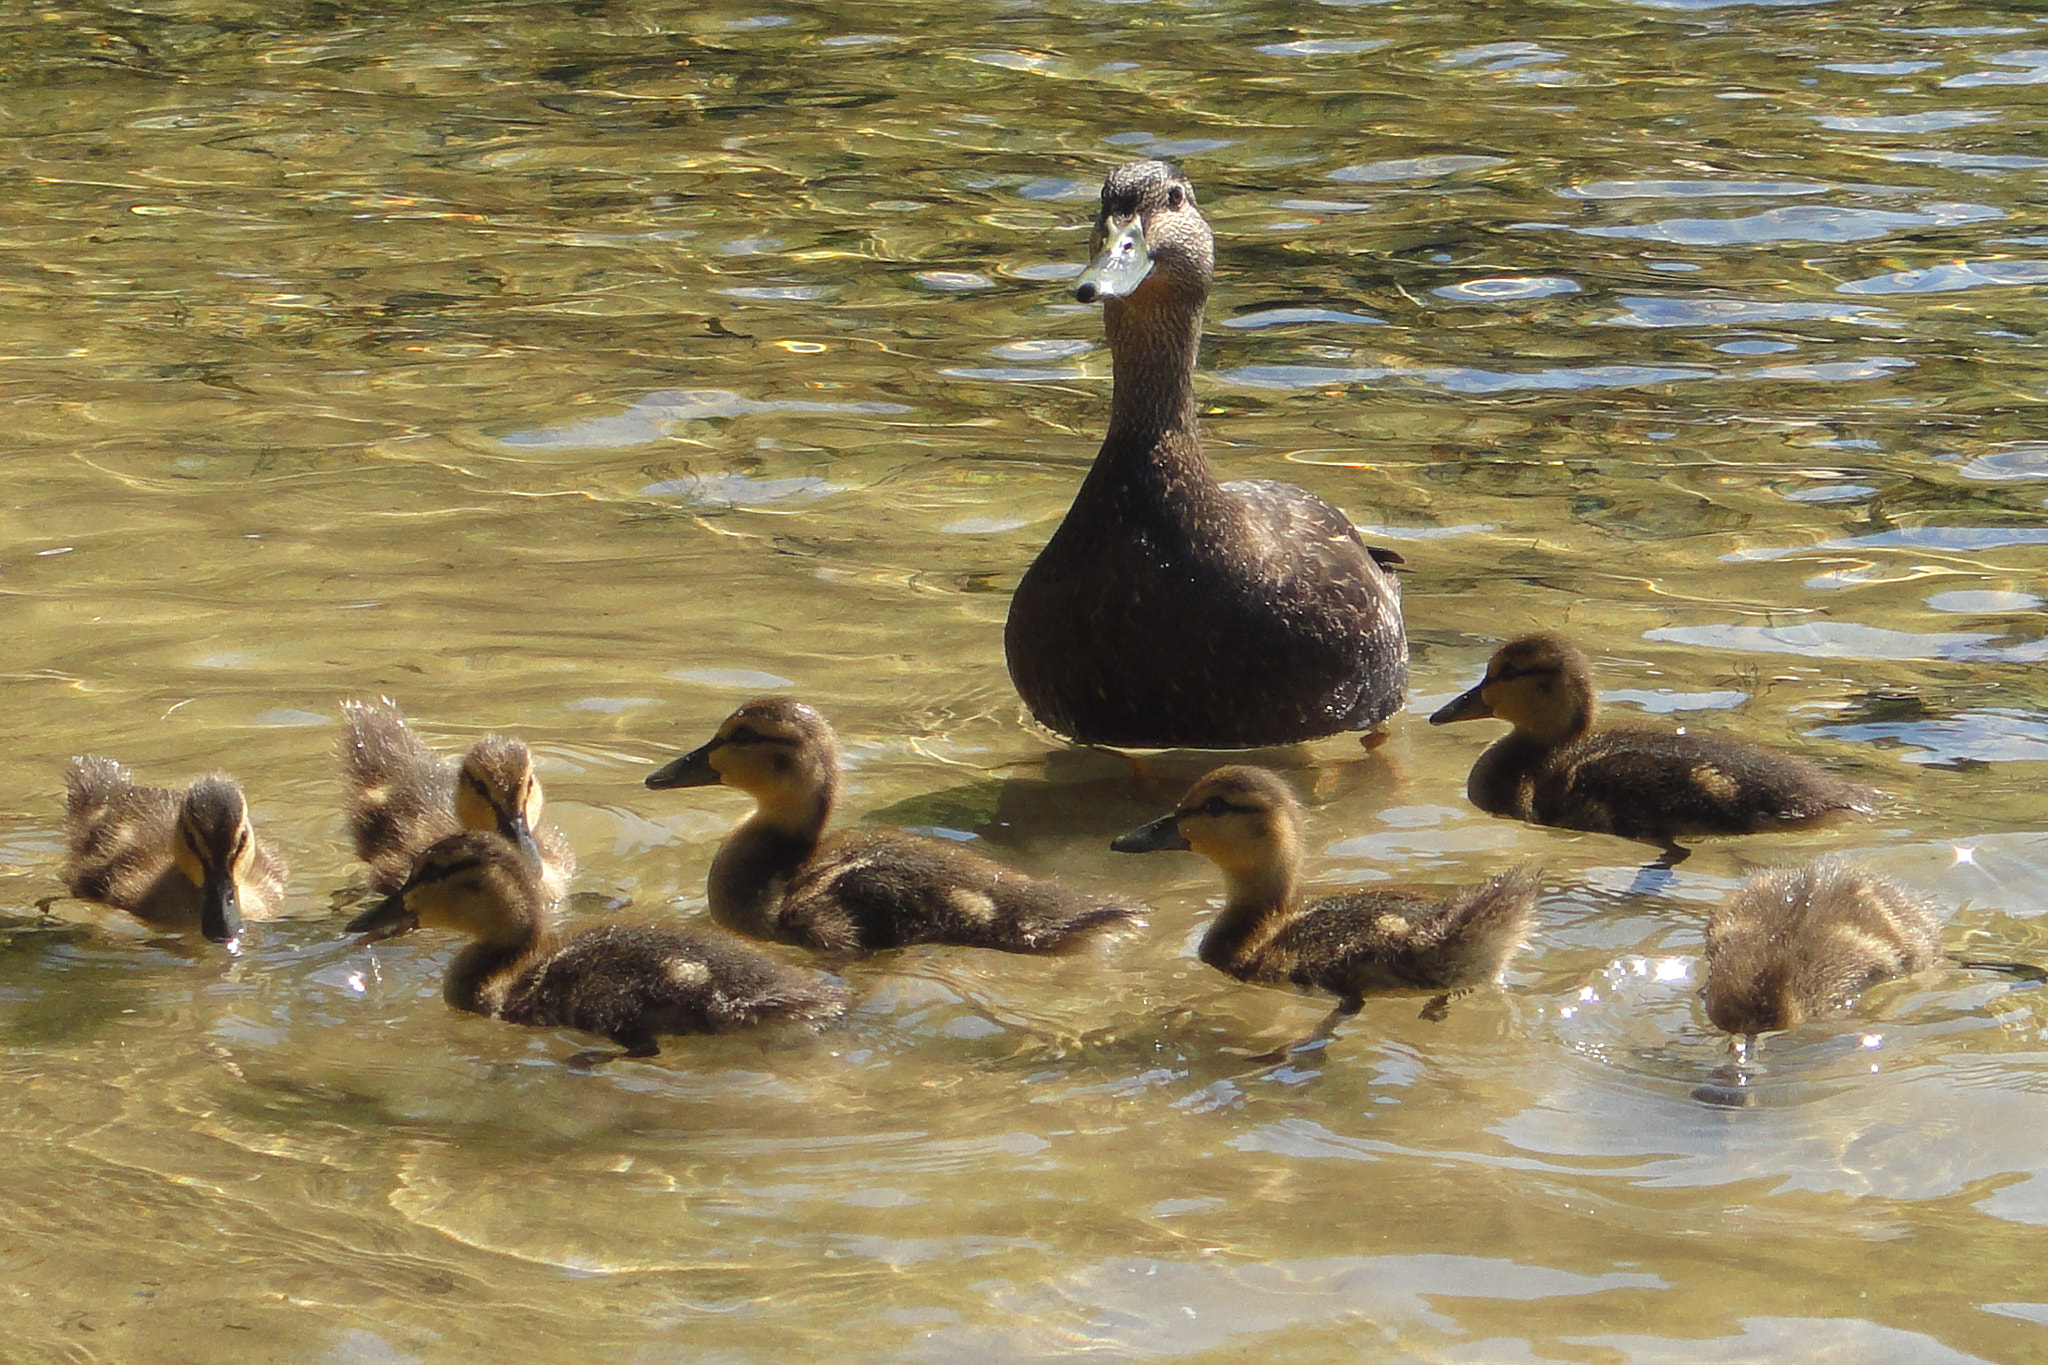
(1654, 785)
(400, 796)
(634, 984)
(866, 892)
(1796, 942)
(1373, 939)
(119, 837)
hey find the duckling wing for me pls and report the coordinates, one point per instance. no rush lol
(400, 795)
(1654, 786)
(886, 890)
(633, 984)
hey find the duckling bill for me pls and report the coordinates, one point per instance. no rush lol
(778, 876)
(176, 860)
(1170, 610)
(631, 985)
(1248, 822)
(402, 797)
(1555, 768)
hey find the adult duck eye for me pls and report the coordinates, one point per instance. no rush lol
(1175, 197)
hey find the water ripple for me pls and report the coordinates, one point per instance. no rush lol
(1994, 735)
(1943, 279)
(1848, 640)
(1795, 223)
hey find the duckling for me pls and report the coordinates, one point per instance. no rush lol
(1170, 610)
(1652, 786)
(1795, 942)
(776, 876)
(402, 797)
(176, 860)
(629, 984)
(1248, 822)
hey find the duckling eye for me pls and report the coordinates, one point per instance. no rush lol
(1215, 807)
(744, 735)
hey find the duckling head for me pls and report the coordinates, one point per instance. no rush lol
(497, 791)
(475, 883)
(214, 846)
(1245, 820)
(1540, 684)
(1761, 1000)
(1149, 237)
(780, 752)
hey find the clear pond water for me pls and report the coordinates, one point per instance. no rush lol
(582, 370)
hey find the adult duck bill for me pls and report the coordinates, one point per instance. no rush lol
(693, 769)
(1465, 706)
(1162, 834)
(1120, 268)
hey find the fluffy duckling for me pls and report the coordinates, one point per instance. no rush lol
(631, 985)
(1170, 610)
(1795, 942)
(1248, 822)
(776, 876)
(1653, 786)
(176, 860)
(402, 797)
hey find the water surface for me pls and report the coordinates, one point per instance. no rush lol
(583, 370)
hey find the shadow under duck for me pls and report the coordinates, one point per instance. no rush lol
(629, 984)
(777, 876)
(402, 797)
(1796, 942)
(1170, 610)
(1357, 942)
(173, 859)
(1654, 786)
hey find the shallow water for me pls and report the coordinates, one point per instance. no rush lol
(582, 370)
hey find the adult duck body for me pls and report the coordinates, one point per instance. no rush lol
(1170, 610)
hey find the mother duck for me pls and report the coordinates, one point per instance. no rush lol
(1170, 610)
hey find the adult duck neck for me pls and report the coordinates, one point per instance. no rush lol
(1155, 338)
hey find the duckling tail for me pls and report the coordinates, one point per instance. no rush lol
(91, 782)
(1083, 927)
(1492, 926)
